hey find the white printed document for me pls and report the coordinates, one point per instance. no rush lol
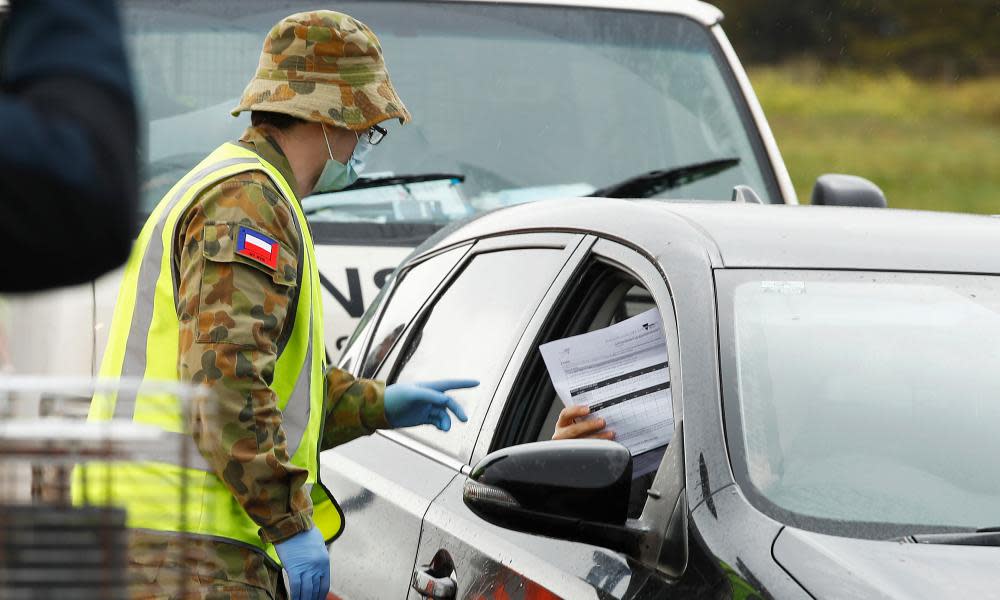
(621, 373)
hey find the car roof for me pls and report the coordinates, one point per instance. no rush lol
(700, 11)
(766, 236)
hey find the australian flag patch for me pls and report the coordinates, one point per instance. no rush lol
(257, 246)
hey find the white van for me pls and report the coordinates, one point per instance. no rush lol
(512, 101)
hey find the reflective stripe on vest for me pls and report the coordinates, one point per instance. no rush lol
(144, 343)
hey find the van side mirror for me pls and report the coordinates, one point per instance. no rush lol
(569, 489)
(847, 190)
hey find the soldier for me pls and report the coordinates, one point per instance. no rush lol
(222, 290)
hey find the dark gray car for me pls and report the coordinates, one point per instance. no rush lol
(834, 387)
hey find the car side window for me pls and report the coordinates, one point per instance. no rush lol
(622, 302)
(415, 284)
(472, 330)
(600, 296)
(351, 355)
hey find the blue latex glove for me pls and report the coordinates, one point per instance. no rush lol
(409, 404)
(305, 559)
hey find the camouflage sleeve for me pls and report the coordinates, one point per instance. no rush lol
(232, 312)
(352, 408)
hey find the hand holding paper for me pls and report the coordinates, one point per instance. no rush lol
(620, 373)
(568, 428)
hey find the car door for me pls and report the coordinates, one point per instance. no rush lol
(426, 328)
(382, 488)
(488, 562)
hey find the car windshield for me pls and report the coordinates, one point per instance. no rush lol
(864, 398)
(523, 102)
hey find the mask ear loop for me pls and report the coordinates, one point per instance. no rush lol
(327, 140)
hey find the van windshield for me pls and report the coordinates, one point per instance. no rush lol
(522, 102)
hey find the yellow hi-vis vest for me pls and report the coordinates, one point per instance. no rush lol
(143, 343)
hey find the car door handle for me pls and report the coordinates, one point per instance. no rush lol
(430, 586)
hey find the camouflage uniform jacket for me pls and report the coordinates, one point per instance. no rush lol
(232, 317)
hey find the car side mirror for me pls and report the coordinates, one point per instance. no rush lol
(569, 489)
(847, 190)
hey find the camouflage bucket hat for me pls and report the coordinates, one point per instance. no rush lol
(324, 66)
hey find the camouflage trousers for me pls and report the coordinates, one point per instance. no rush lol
(165, 566)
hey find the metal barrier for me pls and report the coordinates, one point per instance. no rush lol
(63, 525)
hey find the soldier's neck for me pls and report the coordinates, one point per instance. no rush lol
(301, 146)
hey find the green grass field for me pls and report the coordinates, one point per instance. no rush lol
(927, 145)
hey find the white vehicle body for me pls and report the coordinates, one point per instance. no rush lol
(64, 332)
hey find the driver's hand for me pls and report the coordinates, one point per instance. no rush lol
(568, 428)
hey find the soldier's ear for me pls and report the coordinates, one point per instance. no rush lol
(342, 142)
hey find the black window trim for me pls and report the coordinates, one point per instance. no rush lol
(397, 277)
(359, 340)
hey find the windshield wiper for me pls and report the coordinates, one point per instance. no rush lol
(986, 536)
(376, 182)
(654, 182)
(370, 182)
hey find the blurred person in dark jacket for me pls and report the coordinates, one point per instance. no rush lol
(68, 134)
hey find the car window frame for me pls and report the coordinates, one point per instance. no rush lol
(352, 358)
(644, 269)
(356, 347)
(569, 243)
(398, 278)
